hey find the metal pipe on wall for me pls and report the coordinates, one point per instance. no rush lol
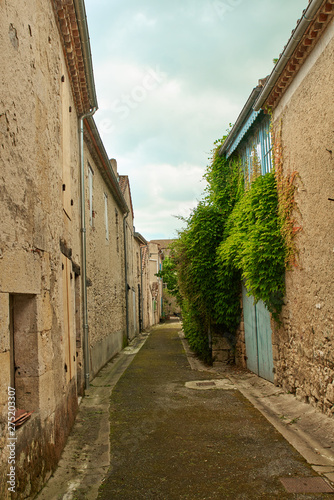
(83, 248)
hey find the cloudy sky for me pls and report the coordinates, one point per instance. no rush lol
(170, 76)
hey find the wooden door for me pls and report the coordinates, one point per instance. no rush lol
(258, 337)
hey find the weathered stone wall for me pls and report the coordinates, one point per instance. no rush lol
(137, 285)
(132, 293)
(240, 346)
(304, 354)
(147, 302)
(105, 269)
(38, 125)
(170, 305)
(155, 282)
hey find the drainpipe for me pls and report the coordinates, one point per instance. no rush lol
(83, 247)
(297, 35)
(126, 278)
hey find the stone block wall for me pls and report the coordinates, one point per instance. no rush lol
(105, 269)
(304, 117)
(39, 163)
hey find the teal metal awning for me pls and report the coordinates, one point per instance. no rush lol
(235, 143)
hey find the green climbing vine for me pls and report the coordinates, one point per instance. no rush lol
(254, 245)
(287, 207)
(241, 231)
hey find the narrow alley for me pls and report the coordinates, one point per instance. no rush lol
(148, 176)
(178, 433)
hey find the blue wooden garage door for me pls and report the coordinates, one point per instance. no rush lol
(258, 337)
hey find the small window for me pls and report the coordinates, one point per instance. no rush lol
(106, 215)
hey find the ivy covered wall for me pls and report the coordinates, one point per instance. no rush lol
(237, 233)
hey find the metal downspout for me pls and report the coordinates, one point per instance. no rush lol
(83, 248)
(126, 278)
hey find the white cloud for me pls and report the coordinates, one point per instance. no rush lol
(141, 20)
(161, 128)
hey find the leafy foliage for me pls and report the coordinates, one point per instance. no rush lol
(204, 283)
(169, 276)
(254, 245)
(237, 233)
(196, 333)
(287, 208)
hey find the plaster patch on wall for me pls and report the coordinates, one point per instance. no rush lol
(13, 37)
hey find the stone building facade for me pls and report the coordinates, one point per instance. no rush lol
(300, 96)
(170, 306)
(147, 314)
(105, 211)
(155, 283)
(62, 261)
(40, 263)
(132, 265)
(297, 99)
(140, 244)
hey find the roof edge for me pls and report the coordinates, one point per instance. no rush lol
(309, 15)
(238, 124)
(72, 25)
(107, 170)
(140, 238)
(86, 49)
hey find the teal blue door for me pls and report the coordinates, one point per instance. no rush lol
(258, 336)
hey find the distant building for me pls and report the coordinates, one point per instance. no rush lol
(169, 306)
(155, 283)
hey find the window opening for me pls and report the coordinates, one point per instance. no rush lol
(24, 367)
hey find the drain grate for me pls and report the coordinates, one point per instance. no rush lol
(205, 384)
(306, 485)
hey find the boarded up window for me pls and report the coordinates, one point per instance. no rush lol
(24, 351)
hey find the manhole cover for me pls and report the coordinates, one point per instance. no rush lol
(306, 485)
(209, 385)
(205, 384)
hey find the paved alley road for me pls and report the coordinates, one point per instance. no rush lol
(171, 441)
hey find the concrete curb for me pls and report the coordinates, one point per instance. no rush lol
(308, 430)
(86, 457)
